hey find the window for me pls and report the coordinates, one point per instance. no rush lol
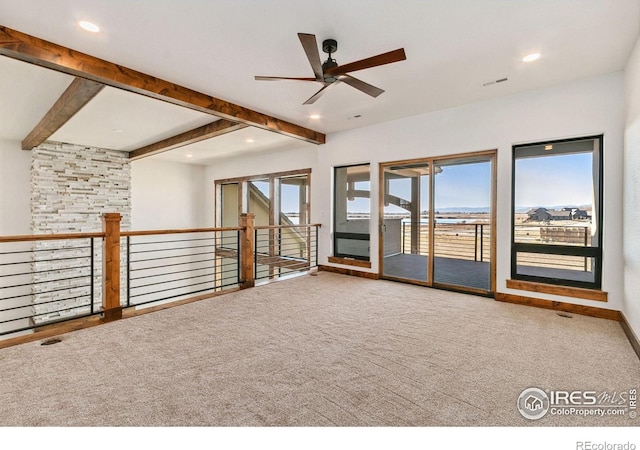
(557, 212)
(279, 201)
(278, 198)
(294, 200)
(260, 199)
(352, 207)
(229, 205)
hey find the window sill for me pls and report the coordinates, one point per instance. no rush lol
(565, 291)
(350, 262)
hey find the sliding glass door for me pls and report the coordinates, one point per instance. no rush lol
(437, 222)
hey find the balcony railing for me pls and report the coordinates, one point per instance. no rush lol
(46, 281)
(170, 266)
(473, 242)
(451, 240)
(579, 236)
(285, 250)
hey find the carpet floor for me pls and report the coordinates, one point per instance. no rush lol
(323, 350)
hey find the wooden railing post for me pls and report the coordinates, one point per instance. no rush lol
(246, 252)
(111, 267)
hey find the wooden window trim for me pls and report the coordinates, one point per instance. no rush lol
(264, 176)
(350, 262)
(554, 289)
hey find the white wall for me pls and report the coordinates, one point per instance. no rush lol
(167, 195)
(580, 108)
(631, 307)
(15, 191)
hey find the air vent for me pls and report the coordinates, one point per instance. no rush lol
(499, 80)
(51, 341)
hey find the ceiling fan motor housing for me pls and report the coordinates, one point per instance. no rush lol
(329, 46)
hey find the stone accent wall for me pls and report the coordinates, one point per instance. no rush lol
(71, 187)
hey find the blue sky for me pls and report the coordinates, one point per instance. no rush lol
(560, 180)
(465, 185)
(457, 186)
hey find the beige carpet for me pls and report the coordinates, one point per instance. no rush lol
(325, 350)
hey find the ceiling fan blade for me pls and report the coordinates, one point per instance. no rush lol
(260, 78)
(320, 93)
(310, 47)
(361, 85)
(378, 60)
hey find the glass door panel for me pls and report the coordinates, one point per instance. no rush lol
(226, 242)
(462, 222)
(405, 227)
(260, 204)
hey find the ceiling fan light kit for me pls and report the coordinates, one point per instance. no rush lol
(330, 73)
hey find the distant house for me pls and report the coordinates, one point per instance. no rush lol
(546, 215)
(579, 214)
(560, 215)
(538, 215)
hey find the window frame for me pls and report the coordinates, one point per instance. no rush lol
(594, 252)
(243, 193)
(345, 235)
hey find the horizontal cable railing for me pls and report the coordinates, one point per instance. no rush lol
(451, 240)
(472, 242)
(55, 278)
(170, 265)
(550, 234)
(282, 250)
(46, 279)
(578, 236)
(463, 241)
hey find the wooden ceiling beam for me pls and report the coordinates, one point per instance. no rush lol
(24, 47)
(208, 131)
(72, 100)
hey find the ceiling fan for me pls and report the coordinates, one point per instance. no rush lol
(330, 73)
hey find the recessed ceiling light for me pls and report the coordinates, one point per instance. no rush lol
(189, 156)
(89, 26)
(314, 116)
(531, 57)
(250, 140)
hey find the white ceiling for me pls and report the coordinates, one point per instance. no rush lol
(453, 47)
